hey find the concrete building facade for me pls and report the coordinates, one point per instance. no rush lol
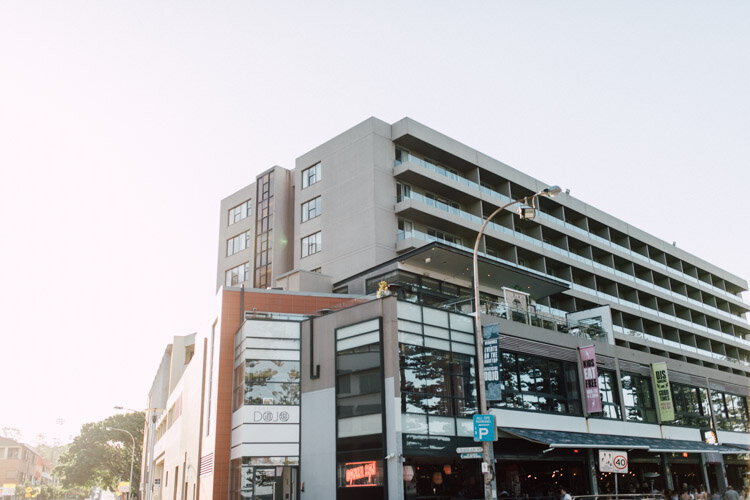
(387, 387)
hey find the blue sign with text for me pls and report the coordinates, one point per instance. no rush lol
(484, 428)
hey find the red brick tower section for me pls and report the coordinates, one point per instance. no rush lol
(229, 323)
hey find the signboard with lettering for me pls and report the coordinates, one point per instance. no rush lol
(361, 474)
(266, 414)
(613, 461)
(664, 405)
(484, 428)
(491, 358)
(590, 379)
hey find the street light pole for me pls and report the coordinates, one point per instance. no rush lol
(488, 454)
(132, 457)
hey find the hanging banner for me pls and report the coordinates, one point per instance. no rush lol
(664, 406)
(590, 379)
(491, 358)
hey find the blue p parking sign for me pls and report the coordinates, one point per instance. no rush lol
(484, 428)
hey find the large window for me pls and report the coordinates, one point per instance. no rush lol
(637, 397)
(435, 382)
(271, 382)
(311, 209)
(730, 411)
(239, 212)
(263, 478)
(311, 175)
(311, 244)
(359, 411)
(691, 407)
(264, 231)
(238, 274)
(539, 384)
(238, 243)
(609, 394)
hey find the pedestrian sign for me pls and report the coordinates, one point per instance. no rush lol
(484, 428)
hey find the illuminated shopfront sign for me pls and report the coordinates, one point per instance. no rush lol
(361, 474)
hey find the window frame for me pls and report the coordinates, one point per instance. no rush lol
(311, 175)
(232, 213)
(314, 206)
(310, 242)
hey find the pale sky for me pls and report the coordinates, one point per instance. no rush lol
(123, 124)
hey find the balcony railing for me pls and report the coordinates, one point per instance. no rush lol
(588, 329)
(502, 199)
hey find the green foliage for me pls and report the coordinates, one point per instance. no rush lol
(101, 457)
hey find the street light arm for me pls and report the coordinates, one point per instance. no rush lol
(132, 455)
(487, 450)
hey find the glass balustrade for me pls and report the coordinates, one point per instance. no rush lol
(566, 253)
(502, 199)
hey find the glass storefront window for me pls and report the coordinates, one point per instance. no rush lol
(637, 397)
(538, 384)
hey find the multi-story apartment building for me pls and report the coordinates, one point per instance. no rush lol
(388, 387)
(21, 465)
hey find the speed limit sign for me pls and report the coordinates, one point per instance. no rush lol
(613, 461)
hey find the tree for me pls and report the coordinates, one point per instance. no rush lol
(100, 457)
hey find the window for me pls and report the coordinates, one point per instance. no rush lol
(264, 231)
(239, 212)
(609, 394)
(436, 234)
(637, 396)
(12, 452)
(690, 405)
(443, 203)
(238, 274)
(437, 382)
(238, 243)
(539, 384)
(405, 229)
(269, 382)
(403, 191)
(311, 244)
(311, 175)
(311, 209)
(730, 411)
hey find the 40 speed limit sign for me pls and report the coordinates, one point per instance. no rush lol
(613, 461)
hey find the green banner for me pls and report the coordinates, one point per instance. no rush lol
(664, 405)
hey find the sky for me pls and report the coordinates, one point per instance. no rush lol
(124, 123)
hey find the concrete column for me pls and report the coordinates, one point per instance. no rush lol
(666, 471)
(704, 472)
(593, 477)
(721, 475)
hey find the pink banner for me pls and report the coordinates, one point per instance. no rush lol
(590, 379)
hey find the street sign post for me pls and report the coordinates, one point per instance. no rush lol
(469, 449)
(613, 461)
(484, 428)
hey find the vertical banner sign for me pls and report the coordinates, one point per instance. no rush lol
(590, 379)
(491, 357)
(664, 405)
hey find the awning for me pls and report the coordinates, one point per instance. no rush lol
(562, 439)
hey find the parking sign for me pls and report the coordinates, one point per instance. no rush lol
(484, 428)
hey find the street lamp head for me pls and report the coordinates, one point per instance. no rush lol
(550, 191)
